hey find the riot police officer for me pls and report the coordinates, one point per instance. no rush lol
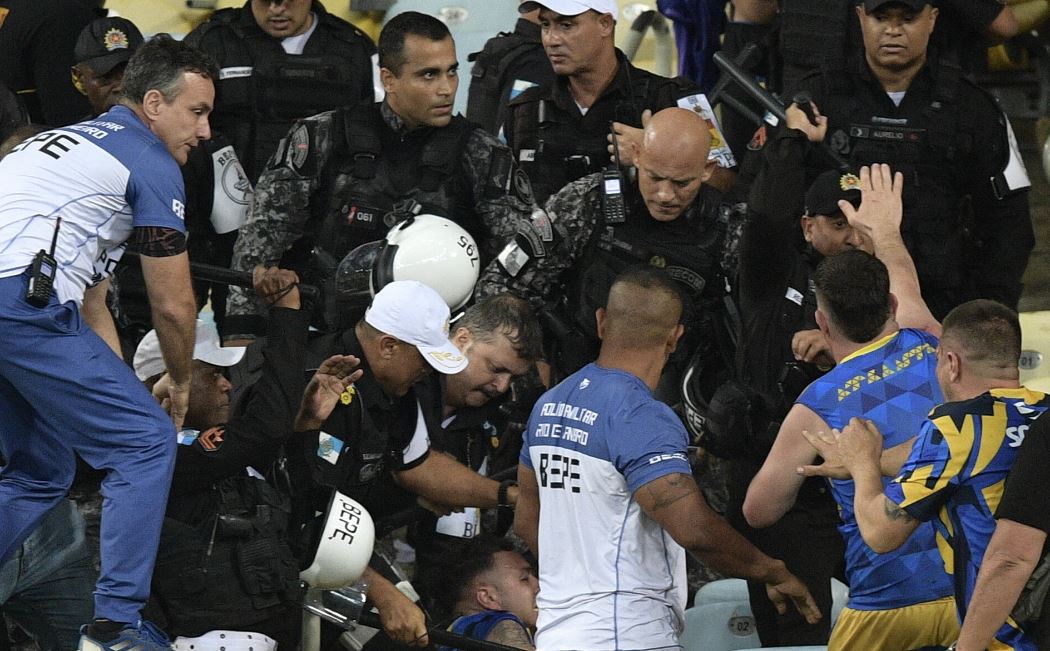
(558, 131)
(345, 177)
(509, 64)
(966, 215)
(280, 60)
(600, 225)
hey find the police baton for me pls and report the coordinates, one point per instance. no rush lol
(766, 99)
(216, 274)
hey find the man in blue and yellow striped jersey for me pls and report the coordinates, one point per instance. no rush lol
(958, 465)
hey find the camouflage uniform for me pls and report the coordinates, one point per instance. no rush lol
(572, 233)
(322, 187)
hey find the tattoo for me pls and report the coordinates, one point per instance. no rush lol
(157, 241)
(510, 633)
(894, 512)
(672, 488)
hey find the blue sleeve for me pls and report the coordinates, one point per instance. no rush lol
(155, 191)
(652, 445)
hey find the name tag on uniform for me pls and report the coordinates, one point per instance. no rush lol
(235, 72)
(461, 525)
(526, 155)
(794, 296)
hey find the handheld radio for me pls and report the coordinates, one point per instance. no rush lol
(612, 189)
(42, 273)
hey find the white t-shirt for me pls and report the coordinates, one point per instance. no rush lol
(102, 177)
(610, 576)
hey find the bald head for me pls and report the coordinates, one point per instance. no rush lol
(672, 162)
(677, 133)
(643, 310)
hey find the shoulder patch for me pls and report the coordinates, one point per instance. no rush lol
(298, 148)
(212, 439)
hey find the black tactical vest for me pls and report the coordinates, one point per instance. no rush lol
(225, 561)
(486, 100)
(688, 249)
(551, 143)
(374, 170)
(924, 141)
(262, 90)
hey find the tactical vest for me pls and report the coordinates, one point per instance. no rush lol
(374, 171)
(262, 90)
(486, 103)
(227, 564)
(928, 146)
(692, 260)
(550, 145)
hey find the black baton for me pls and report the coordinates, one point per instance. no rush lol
(215, 274)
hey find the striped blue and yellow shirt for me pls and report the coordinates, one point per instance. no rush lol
(955, 477)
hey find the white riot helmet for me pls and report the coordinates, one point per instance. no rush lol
(345, 546)
(430, 249)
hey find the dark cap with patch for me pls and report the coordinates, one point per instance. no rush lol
(824, 195)
(107, 42)
(917, 5)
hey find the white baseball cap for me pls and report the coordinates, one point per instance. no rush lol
(417, 315)
(571, 7)
(208, 348)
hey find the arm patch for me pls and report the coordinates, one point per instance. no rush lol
(498, 179)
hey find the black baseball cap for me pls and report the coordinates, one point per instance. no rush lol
(917, 5)
(107, 42)
(823, 196)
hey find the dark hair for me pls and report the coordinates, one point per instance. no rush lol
(648, 277)
(854, 288)
(159, 63)
(989, 332)
(453, 581)
(644, 322)
(391, 44)
(507, 315)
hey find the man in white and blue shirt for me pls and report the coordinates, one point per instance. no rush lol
(114, 181)
(607, 500)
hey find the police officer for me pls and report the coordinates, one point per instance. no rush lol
(966, 214)
(280, 60)
(509, 64)
(372, 442)
(239, 574)
(780, 352)
(345, 177)
(558, 131)
(598, 226)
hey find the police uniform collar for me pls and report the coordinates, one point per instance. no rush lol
(245, 21)
(392, 119)
(621, 83)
